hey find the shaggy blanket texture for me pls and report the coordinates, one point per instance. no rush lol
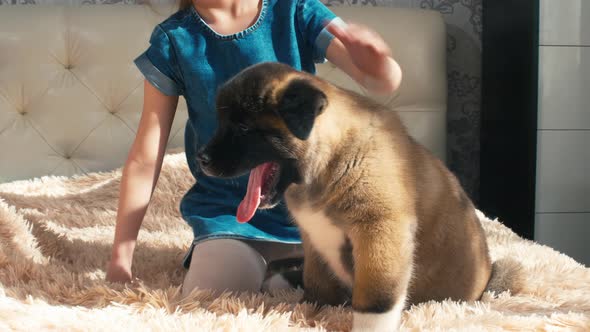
(55, 239)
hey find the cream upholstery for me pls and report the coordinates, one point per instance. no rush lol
(71, 98)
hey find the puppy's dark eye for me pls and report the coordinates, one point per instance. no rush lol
(243, 128)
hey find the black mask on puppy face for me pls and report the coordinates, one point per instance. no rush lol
(299, 105)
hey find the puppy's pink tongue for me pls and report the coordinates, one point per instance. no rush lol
(251, 201)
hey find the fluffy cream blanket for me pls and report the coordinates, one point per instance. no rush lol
(55, 238)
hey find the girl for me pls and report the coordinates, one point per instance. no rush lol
(192, 53)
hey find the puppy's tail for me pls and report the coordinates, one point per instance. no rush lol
(507, 275)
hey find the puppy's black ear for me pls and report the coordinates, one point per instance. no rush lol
(299, 105)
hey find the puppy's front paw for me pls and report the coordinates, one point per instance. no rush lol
(371, 322)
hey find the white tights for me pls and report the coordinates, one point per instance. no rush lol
(234, 265)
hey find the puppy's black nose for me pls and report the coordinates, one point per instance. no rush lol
(204, 158)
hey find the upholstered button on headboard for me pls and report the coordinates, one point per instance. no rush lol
(71, 97)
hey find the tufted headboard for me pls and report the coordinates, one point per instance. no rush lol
(71, 97)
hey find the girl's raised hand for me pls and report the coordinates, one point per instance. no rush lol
(368, 51)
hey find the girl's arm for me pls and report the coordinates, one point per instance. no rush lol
(364, 56)
(140, 174)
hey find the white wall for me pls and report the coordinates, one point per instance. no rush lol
(563, 149)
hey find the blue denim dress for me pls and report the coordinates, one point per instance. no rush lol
(186, 57)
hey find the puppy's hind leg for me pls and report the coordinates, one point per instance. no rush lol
(382, 272)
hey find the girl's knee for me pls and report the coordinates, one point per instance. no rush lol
(224, 265)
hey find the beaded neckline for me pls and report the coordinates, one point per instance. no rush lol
(236, 35)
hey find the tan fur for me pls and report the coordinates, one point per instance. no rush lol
(412, 228)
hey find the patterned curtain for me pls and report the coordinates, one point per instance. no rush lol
(463, 18)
